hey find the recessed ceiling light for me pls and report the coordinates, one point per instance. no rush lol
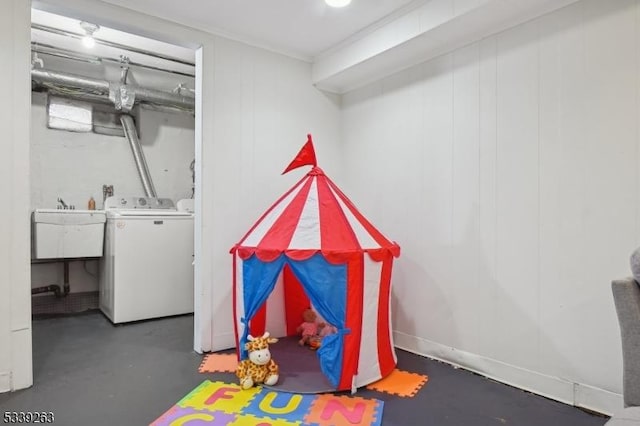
(337, 3)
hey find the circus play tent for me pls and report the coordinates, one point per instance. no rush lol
(316, 249)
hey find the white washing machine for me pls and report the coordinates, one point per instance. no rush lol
(147, 267)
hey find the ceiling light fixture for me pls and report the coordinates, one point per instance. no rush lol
(88, 41)
(338, 3)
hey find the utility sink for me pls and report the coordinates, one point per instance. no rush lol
(60, 234)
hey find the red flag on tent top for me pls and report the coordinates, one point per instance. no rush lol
(306, 157)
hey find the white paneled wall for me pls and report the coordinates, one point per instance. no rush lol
(465, 194)
(517, 210)
(264, 106)
(15, 307)
(508, 172)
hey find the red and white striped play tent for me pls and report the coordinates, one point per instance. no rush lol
(314, 248)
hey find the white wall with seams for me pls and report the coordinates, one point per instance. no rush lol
(510, 181)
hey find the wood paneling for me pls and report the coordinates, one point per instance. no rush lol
(528, 199)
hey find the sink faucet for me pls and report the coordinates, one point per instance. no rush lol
(107, 191)
(64, 205)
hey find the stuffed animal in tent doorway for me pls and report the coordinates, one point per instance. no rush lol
(259, 367)
(324, 330)
(309, 328)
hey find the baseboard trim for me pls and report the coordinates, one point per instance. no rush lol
(22, 352)
(223, 341)
(596, 399)
(558, 389)
(5, 382)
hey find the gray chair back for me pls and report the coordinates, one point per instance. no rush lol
(626, 295)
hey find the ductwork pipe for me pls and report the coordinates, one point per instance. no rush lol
(132, 136)
(70, 80)
(104, 87)
(162, 98)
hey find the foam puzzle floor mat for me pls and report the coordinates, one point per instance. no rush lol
(213, 363)
(219, 403)
(400, 383)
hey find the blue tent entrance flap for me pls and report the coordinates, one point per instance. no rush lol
(259, 279)
(326, 286)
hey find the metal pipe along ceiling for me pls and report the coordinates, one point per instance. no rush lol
(71, 80)
(104, 88)
(132, 136)
(59, 52)
(111, 44)
(123, 96)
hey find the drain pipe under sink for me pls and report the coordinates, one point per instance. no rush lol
(55, 288)
(131, 134)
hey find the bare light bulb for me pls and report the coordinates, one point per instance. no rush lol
(337, 3)
(88, 41)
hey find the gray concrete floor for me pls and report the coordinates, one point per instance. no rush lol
(91, 373)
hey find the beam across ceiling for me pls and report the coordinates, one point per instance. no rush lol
(436, 28)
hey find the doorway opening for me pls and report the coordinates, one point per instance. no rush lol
(113, 164)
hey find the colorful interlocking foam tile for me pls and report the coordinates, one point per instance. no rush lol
(213, 363)
(218, 403)
(400, 383)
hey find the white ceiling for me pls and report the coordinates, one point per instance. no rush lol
(348, 47)
(300, 28)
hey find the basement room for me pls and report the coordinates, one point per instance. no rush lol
(320, 212)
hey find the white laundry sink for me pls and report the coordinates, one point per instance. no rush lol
(59, 234)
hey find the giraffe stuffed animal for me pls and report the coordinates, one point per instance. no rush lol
(259, 367)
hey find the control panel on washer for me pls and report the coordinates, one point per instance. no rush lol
(127, 203)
